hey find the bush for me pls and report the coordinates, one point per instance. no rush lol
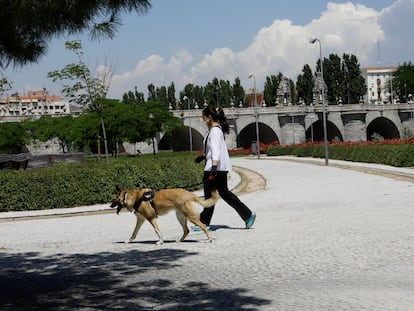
(94, 182)
(390, 152)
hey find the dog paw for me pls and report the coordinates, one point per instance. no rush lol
(160, 242)
(127, 241)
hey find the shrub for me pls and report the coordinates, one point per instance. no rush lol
(395, 152)
(94, 182)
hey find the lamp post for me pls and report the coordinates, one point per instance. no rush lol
(325, 132)
(256, 115)
(392, 97)
(311, 126)
(293, 124)
(189, 122)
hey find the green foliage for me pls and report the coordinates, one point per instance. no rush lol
(13, 137)
(78, 84)
(343, 78)
(400, 155)
(82, 88)
(5, 85)
(305, 83)
(216, 92)
(133, 97)
(28, 26)
(270, 88)
(376, 137)
(94, 182)
(48, 127)
(403, 81)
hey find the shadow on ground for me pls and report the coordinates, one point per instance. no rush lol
(107, 281)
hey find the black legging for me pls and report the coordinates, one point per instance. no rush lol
(220, 183)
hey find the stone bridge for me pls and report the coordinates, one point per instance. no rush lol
(292, 124)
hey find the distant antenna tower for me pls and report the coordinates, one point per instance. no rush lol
(379, 54)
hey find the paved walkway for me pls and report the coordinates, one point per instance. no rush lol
(326, 238)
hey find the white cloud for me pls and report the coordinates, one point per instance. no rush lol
(283, 47)
(397, 44)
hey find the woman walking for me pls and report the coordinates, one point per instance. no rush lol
(217, 166)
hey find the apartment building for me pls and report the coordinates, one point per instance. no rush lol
(34, 103)
(379, 85)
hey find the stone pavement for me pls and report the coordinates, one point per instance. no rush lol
(325, 238)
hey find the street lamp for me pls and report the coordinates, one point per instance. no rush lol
(325, 132)
(293, 125)
(256, 115)
(311, 117)
(189, 122)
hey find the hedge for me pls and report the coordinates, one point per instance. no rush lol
(400, 155)
(93, 182)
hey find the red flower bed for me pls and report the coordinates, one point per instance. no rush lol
(392, 141)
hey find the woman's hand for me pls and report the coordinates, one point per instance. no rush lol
(200, 158)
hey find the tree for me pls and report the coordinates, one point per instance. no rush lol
(305, 84)
(12, 137)
(343, 78)
(189, 92)
(136, 123)
(125, 123)
(225, 93)
(270, 88)
(152, 95)
(48, 127)
(403, 81)
(133, 97)
(81, 87)
(333, 76)
(218, 93)
(355, 82)
(86, 132)
(156, 118)
(162, 95)
(5, 85)
(28, 26)
(171, 95)
(238, 92)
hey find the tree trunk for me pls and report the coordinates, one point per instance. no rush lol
(104, 137)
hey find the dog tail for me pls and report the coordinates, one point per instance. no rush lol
(209, 202)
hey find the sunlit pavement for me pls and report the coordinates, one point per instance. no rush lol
(325, 238)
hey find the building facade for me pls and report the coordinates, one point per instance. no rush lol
(35, 104)
(379, 85)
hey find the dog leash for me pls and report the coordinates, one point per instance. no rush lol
(198, 184)
(211, 177)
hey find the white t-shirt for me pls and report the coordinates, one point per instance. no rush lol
(216, 149)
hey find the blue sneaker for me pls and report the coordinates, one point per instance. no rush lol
(250, 220)
(197, 228)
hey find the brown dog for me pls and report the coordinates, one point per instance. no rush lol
(148, 205)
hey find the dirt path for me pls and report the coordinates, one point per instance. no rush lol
(250, 181)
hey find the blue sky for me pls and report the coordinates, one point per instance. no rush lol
(188, 41)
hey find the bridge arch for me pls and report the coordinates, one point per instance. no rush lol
(316, 129)
(179, 140)
(383, 127)
(248, 135)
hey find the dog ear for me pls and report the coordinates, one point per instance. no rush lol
(117, 189)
